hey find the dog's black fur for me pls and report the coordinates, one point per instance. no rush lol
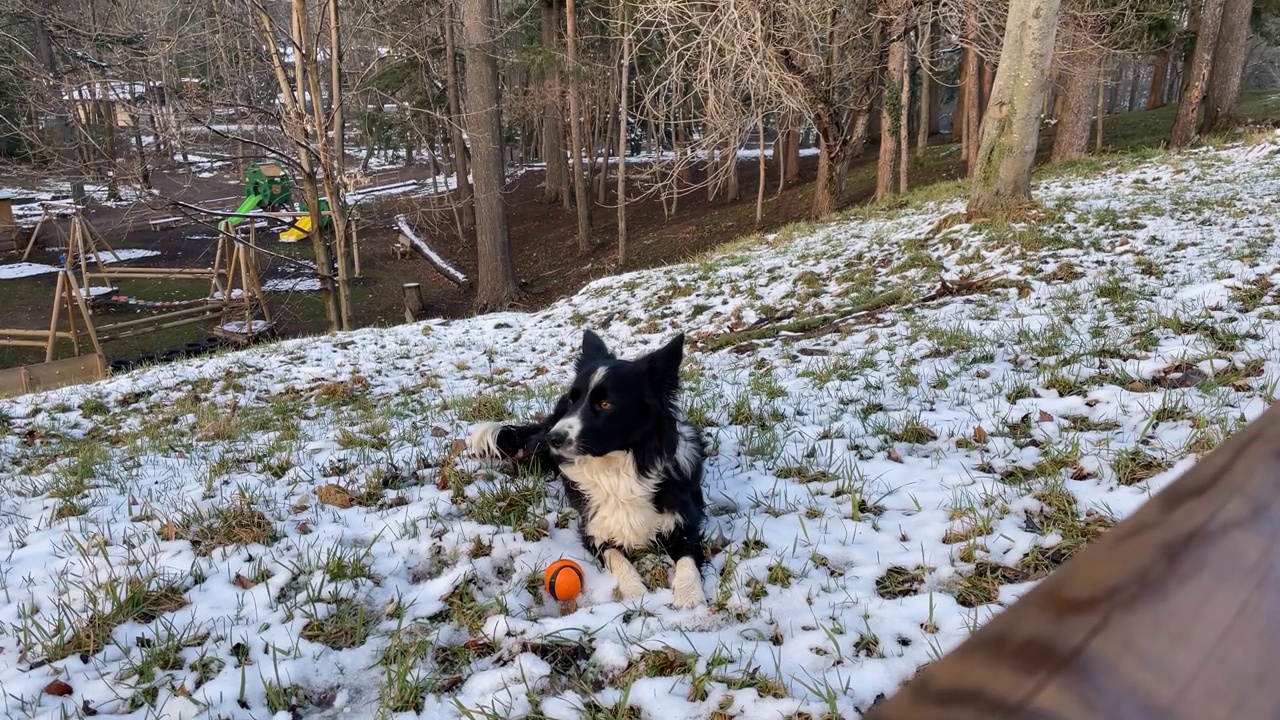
(624, 406)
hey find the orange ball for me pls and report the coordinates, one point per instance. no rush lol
(563, 579)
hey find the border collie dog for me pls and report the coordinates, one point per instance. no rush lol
(630, 461)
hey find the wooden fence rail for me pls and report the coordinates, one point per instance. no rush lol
(1173, 614)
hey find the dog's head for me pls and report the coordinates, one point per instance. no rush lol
(613, 404)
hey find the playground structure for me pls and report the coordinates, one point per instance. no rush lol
(267, 188)
(234, 307)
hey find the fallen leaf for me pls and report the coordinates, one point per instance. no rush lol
(304, 528)
(169, 531)
(437, 431)
(979, 434)
(894, 456)
(242, 582)
(1136, 386)
(458, 446)
(1081, 474)
(335, 495)
(1043, 417)
(397, 501)
(57, 688)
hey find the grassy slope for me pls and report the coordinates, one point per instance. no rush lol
(293, 527)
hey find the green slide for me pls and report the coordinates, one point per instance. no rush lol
(250, 203)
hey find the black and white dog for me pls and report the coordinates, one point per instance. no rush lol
(630, 460)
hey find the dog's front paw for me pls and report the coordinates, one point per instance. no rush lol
(686, 586)
(484, 440)
(630, 584)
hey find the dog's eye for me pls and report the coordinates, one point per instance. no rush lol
(604, 405)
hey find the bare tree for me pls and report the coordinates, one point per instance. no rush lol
(497, 282)
(556, 187)
(1010, 134)
(581, 182)
(1195, 82)
(461, 164)
(1228, 64)
(1080, 61)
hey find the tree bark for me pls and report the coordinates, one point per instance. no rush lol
(581, 183)
(556, 188)
(891, 129)
(623, 104)
(1228, 65)
(928, 44)
(497, 286)
(1159, 77)
(1195, 80)
(461, 171)
(972, 93)
(1071, 139)
(1010, 135)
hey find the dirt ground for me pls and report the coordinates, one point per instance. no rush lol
(544, 238)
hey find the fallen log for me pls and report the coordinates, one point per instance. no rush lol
(450, 273)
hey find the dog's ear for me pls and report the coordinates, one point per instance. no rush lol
(662, 366)
(593, 348)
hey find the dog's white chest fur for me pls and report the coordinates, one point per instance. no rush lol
(619, 501)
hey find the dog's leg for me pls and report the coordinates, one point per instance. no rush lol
(686, 585)
(685, 548)
(630, 584)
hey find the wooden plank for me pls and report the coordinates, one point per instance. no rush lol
(68, 371)
(13, 382)
(1173, 614)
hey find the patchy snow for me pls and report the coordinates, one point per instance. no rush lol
(294, 522)
(292, 284)
(12, 271)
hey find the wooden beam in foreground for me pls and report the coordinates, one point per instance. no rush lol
(1174, 614)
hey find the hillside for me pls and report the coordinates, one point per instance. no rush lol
(912, 421)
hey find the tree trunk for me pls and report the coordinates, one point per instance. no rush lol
(1159, 76)
(788, 152)
(336, 166)
(1228, 65)
(556, 188)
(1135, 79)
(972, 93)
(760, 165)
(581, 183)
(1071, 139)
(891, 129)
(926, 51)
(461, 170)
(623, 104)
(44, 49)
(828, 190)
(497, 280)
(1010, 135)
(1195, 80)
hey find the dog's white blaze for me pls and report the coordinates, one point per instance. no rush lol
(686, 585)
(597, 377)
(619, 500)
(484, 439)
(571, 426)
(630, 584)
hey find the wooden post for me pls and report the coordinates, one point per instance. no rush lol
(414, 307)
(1169, 615)
(355, 243)
(53, 320)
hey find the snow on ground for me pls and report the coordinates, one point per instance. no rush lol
(11, 271)
(296, 526)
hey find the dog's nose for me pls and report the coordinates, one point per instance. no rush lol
(557, 438)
